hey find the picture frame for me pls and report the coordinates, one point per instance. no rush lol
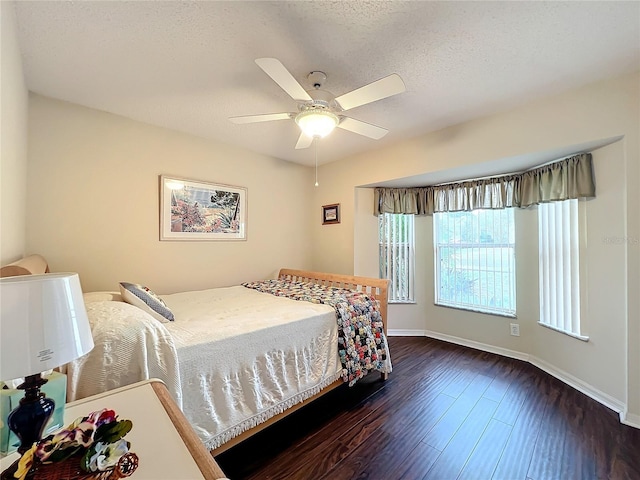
(194, 210)
(331, 214)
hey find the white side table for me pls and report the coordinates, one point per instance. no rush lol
(163, 440)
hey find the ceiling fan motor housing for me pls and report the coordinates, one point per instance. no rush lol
(321, 99)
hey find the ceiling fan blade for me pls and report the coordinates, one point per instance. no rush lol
(363, 128)
(304, 141)
(282, 77)
(383, 88)
(267, 117)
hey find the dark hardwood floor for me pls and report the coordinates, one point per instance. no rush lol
(446, 412)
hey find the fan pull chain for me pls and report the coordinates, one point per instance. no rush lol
(316, 142)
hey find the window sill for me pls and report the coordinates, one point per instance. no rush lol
(476, 310)
(570, 334)
(402, 302)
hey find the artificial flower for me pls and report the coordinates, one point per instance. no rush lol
(97, 438)
(101, 417)
(107, 455)
(65, 443)
(25, 463)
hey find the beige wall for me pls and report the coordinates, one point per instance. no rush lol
(609, 364)
(93, 202)
(13, 145)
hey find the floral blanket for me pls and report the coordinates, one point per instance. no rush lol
(361, 341)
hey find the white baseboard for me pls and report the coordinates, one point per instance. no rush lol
(630, 419)
(505, 352)
(406, 333)
(590, 391)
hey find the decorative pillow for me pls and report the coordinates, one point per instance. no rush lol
(142, 297)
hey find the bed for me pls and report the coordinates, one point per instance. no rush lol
(239, 358)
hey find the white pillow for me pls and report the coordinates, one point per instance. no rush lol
(142, 297)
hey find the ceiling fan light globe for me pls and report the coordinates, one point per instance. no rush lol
(317, 123)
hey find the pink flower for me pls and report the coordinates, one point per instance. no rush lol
(105, 416)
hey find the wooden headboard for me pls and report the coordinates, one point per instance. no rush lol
(30, 265)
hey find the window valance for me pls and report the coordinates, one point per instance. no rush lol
(562, 180)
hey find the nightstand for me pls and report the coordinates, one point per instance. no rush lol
(167, 446)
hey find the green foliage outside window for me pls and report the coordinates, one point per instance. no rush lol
(475, 255)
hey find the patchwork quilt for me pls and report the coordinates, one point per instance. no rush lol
(361, 342)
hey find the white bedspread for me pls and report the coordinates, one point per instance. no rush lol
(246, 356)
(232, 359)
(130, 345)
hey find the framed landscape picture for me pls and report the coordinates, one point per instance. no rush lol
(195, 210)
(331, 214)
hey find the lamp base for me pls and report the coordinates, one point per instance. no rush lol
(30, 417)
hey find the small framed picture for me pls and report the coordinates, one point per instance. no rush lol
(331, 214)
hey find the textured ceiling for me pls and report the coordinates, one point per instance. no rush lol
(189, 66)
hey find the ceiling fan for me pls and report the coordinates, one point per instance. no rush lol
(319, 112)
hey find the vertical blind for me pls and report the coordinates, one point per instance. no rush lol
(397, 255)
(559, 265)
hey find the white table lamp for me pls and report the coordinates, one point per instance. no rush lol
(43, 325)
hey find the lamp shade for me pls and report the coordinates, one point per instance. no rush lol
(44, 323)
(317, 122)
